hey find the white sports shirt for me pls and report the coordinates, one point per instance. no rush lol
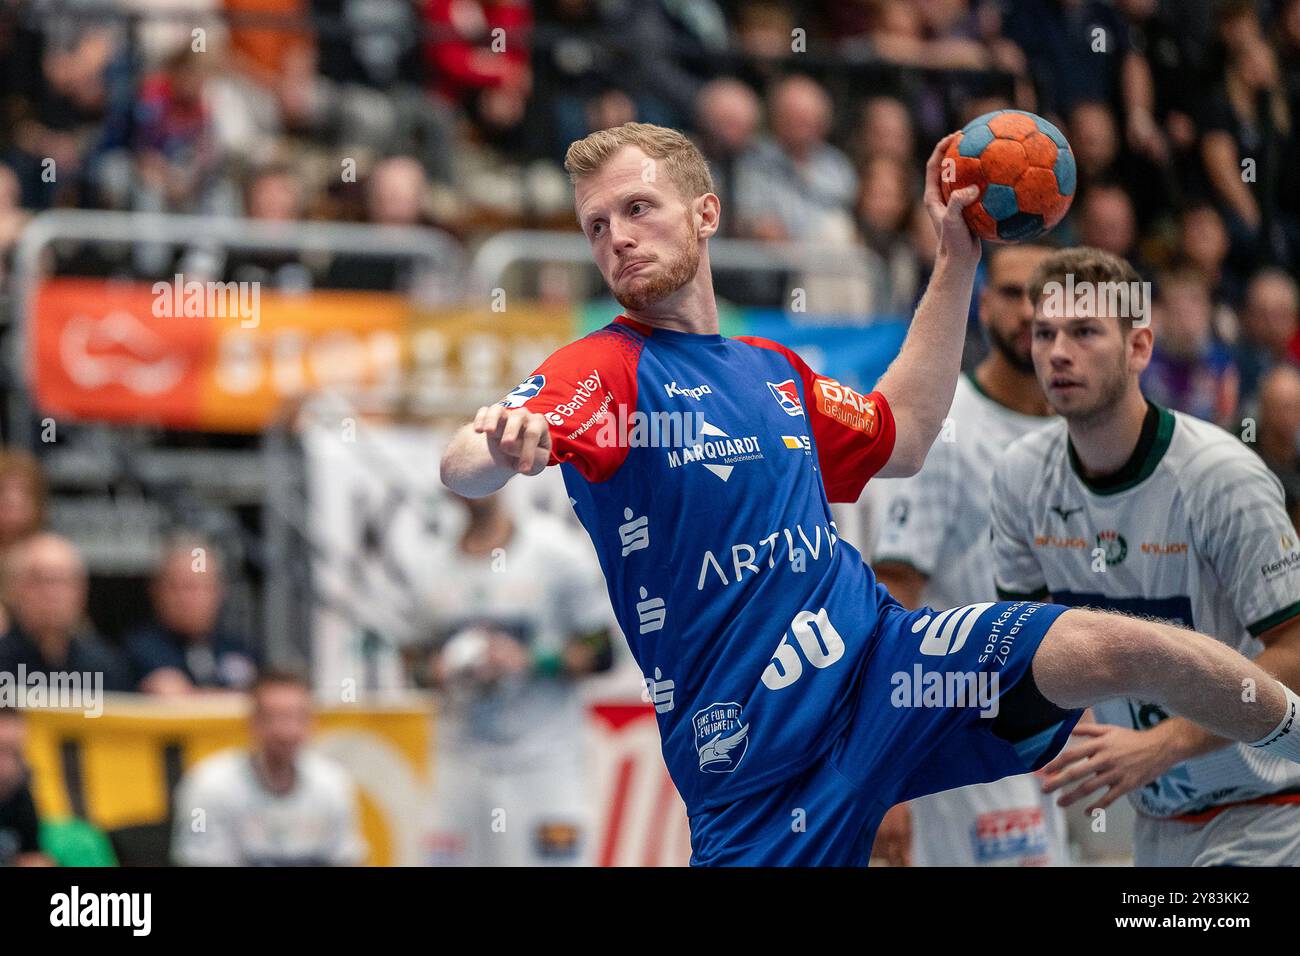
(226, 817)
(1191, 530)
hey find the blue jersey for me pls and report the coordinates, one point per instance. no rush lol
(703, 468)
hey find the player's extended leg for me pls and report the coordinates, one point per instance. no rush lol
(1090, 656)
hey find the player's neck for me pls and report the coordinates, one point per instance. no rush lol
(1105, 442)
(1012, 389)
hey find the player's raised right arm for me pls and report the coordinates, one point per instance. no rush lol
(497, 445)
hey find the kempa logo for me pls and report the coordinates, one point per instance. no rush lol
(1129, 300)
(134, 910)
(208, 300)
(64, 690)
(922, 688)
(672, 389)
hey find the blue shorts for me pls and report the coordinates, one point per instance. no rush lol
(928, 717)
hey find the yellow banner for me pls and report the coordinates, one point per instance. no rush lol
(118, 769)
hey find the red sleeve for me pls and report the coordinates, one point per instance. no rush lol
(585, 390)
(854, 433)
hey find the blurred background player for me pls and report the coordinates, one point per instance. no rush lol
(1125, 505)
(934, 550)
(519, 612)
(185, 648)
(276, 804)
(19, 826)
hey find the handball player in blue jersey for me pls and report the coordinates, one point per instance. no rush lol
(796, 700)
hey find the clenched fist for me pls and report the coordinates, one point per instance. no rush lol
(516, 438)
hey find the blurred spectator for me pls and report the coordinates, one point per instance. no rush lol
(885, 204)
(13, 218)
(271, 39)
(22, 504)
(1203, 244)
(395, 192)
(1248, 143)
(1081, 50)
(1106, 220)
(886, 130)
(479, 57)
(277, 804)
(518, 613)
(727, 118)
(272, 193)
(764, 40)
(19, 825)
(1279, 431)
(22, 497)
(1174, 37)
(1189, 370)
(1094, 137)
(185, 649)
(1269, 321)
(45, 593)
(794, 184)
(176, 149)
(667, 51)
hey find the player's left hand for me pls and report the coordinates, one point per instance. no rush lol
(1108, 756)
(956, 241)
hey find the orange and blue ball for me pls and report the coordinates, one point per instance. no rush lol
(1025, 171)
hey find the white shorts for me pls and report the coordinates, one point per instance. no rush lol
(1260, 834)
(520, 817)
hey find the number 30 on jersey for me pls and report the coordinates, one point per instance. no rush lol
(816, 637)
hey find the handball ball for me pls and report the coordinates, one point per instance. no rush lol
(1024, 169)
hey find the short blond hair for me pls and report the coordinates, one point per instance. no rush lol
(683, 163)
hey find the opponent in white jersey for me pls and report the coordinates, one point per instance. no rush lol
(519, 611)
(275, 805)
(1127, 506)
(934, 550)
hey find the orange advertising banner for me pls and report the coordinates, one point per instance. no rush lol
(224, 357)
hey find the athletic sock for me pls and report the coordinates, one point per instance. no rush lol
(1284, 740)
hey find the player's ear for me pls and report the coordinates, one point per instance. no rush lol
(708, 211)
(1141, 340)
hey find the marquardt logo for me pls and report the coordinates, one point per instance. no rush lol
(208, 300)
(74, 908)
(1128, 300)
(673, 389)
(719, 456)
